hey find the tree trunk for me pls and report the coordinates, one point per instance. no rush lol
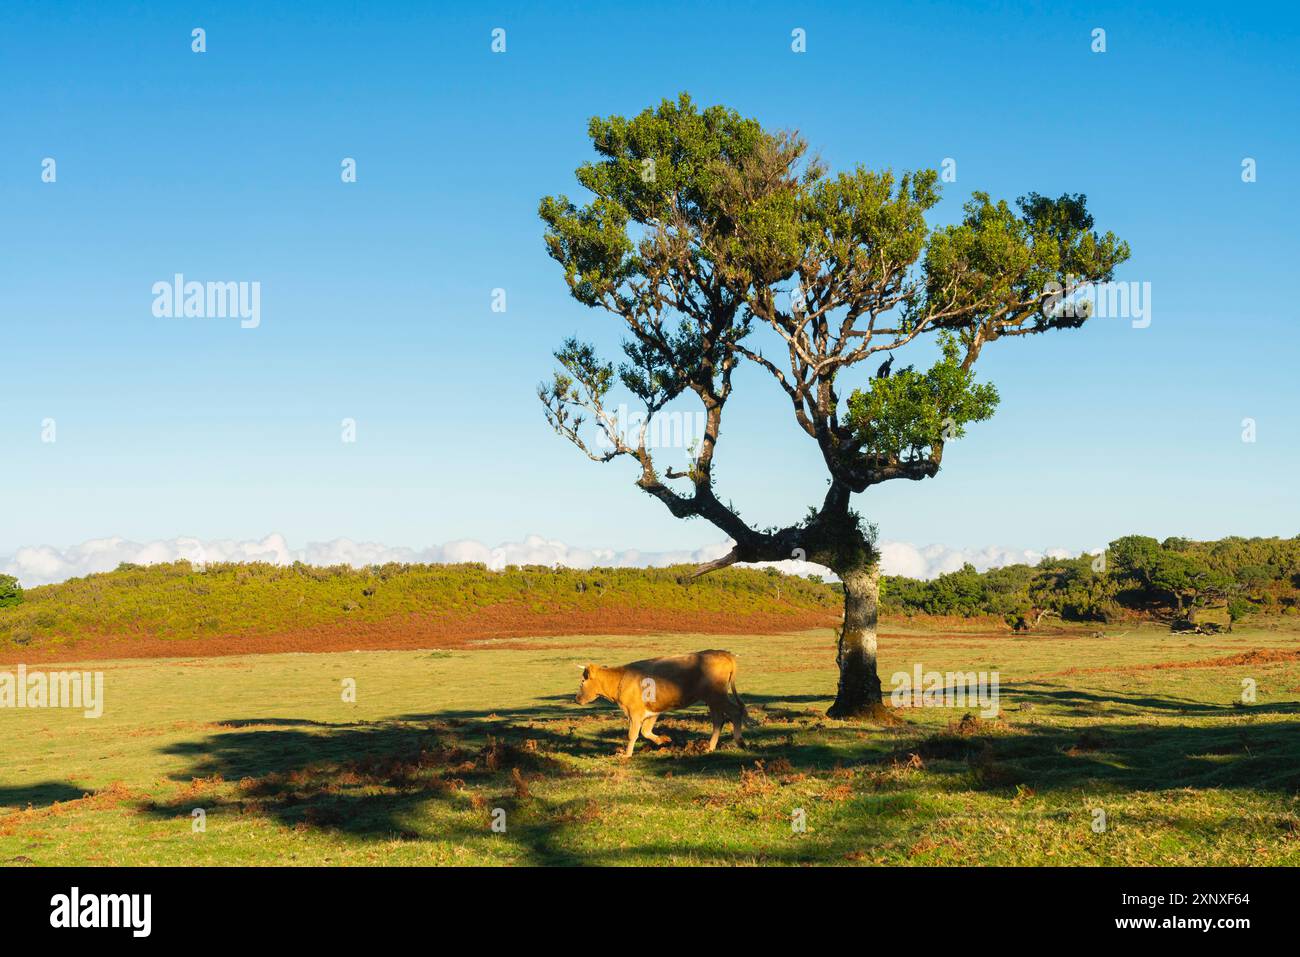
(859, 692)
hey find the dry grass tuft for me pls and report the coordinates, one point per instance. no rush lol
(521, 786)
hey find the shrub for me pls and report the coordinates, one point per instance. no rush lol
(11, 593)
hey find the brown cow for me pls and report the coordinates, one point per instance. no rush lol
(646, 689)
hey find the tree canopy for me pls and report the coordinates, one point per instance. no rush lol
(702, 227)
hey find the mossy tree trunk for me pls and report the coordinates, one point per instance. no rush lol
(859, 693)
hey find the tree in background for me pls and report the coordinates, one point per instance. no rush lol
(705, 234)
(11, 593)
(1073, 589)
(1171, 573)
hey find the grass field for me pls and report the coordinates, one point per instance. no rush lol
(1147, 727)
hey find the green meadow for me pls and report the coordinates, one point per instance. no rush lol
(1097, 756)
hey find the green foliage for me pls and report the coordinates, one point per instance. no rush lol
(1177, 572)
(1074, 590)
(1239, 608)
(966, 593)
(911, 412)
(1177, 579)
(657, 166)
(11, 593)
(998, 255)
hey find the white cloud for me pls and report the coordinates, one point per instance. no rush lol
(931, 561)
(44, 564)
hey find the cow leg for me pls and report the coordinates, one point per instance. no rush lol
(633, 730)
(647, 731)
(719, 719)
(737, 722)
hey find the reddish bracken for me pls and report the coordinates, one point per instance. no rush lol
(429, 632)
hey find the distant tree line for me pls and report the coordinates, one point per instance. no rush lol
(1189, 584)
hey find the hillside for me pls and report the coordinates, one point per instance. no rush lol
(239, 608)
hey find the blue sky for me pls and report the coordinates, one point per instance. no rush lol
(376, 295)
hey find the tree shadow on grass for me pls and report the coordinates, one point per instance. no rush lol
(42, 794)
(389, 780)
(385, 780)
(276, 722)
(1071, 702)
(1261, 756)
(437, 776)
